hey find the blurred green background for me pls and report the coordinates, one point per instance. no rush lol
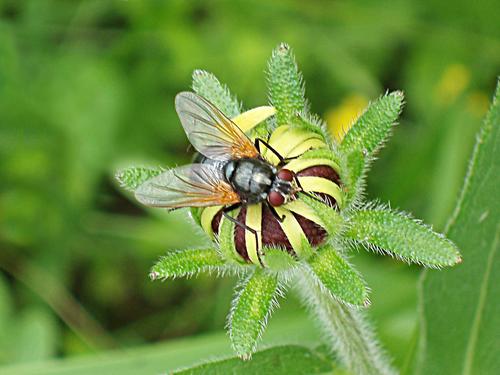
(88, 86)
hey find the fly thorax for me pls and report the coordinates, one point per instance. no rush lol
(229, 170)
(261, 181)
(251, 178)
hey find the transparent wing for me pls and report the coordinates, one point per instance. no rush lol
(210, 131)
(194, 185)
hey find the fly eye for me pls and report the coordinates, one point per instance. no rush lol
(275, 199)
(285, 174)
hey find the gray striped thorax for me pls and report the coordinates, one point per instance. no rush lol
(250, 178)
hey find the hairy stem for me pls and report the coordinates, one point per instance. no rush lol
(346, 330)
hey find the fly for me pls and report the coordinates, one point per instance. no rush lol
(234, 173)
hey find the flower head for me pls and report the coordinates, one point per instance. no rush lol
(326, 218)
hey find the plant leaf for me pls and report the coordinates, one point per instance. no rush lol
(285, 85)
(208, 86)
(251, 308)
(401, 236)
(286, 360)
(131, 178)
(458, 337)
(339, 277)
(186, 263)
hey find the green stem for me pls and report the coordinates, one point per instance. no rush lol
(347, 332)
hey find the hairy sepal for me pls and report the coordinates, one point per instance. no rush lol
(338, 277)
(207, 85)
(131, 178)
(187, 263)
(285, 85)
(255, 298)
(397, 234)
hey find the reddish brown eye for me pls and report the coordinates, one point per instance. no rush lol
(286, 174)
(275, 199)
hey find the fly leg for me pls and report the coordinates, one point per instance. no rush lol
(225, 213)
(275, 213)
(286, 160)
(296, 179)
(258, 141)
(282, 160)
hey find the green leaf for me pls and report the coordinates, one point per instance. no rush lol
(285, 85)
(339, 277)
(186, 263)
(286, 360)
(251, 309)
(166, 356)
(131, 178)
(208, 86)
(401, 236)
(460, 321)
(373, 127)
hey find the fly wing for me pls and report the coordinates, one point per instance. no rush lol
(194, 185)
(210, 131)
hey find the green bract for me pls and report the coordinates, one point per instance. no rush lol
(323, 268)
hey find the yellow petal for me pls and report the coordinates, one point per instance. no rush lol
(249, 119)
(286, 139)
(297, 165)
(292, 229)
(304, 210)
(308, 144)
(253, 220)
(207, 216)
(321, 185)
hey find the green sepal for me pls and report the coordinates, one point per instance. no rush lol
(332, 221)
(339, 277)
(207, 85)
(312, 123)
(186, 263)
(261, 131)
(251, 309)
(352, 174)
(321, 153)
(374, 125)
(278, 259)
(285, 85)
(402, 237)
(130, 178)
